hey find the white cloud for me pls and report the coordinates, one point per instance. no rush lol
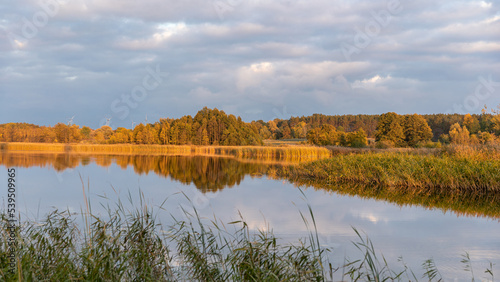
(370, 82)
(163, 33)
(472, 47)
(485, 5)
(254, 74)
(290, 74)
(19, 44)
(370, 217)
(167, 30)
(265, 67)
(493, 19)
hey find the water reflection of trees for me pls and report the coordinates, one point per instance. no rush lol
(468, 204)
(58, 162)
(210, 174)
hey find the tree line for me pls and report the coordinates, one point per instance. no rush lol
(214, 127)
(402, 131)
(395, 130)
(329, 135)
(208, 127)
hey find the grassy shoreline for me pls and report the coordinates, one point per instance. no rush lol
(453, 169)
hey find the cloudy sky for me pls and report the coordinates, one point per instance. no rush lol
(97, 59)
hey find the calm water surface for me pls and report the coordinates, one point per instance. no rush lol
(223, 187)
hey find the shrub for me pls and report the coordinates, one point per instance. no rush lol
(431, 144)
(384, 144)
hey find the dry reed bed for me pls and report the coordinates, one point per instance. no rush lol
(291, 153)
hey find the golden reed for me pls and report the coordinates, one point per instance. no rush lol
(302, 153)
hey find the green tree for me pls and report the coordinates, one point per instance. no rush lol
(326, 135)
(300, 130)
(444, 138)
(265, 133)
(496, 124)
(313, 136)
(85, 132)
(416, 130)
(357, 139)
(389, 128)
(472, 124)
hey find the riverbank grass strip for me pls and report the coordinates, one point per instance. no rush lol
(405, 171)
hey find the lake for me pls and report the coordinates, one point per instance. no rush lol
(224, 187)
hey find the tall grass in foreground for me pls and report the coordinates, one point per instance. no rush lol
(209, 252)
(118, 249)
(133, 246)
(371, 268)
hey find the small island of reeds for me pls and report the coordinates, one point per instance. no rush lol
(453, 168)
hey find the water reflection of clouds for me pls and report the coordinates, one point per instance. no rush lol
(413, 232)
(370, 217)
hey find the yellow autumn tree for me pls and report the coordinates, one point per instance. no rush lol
(459, 135)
